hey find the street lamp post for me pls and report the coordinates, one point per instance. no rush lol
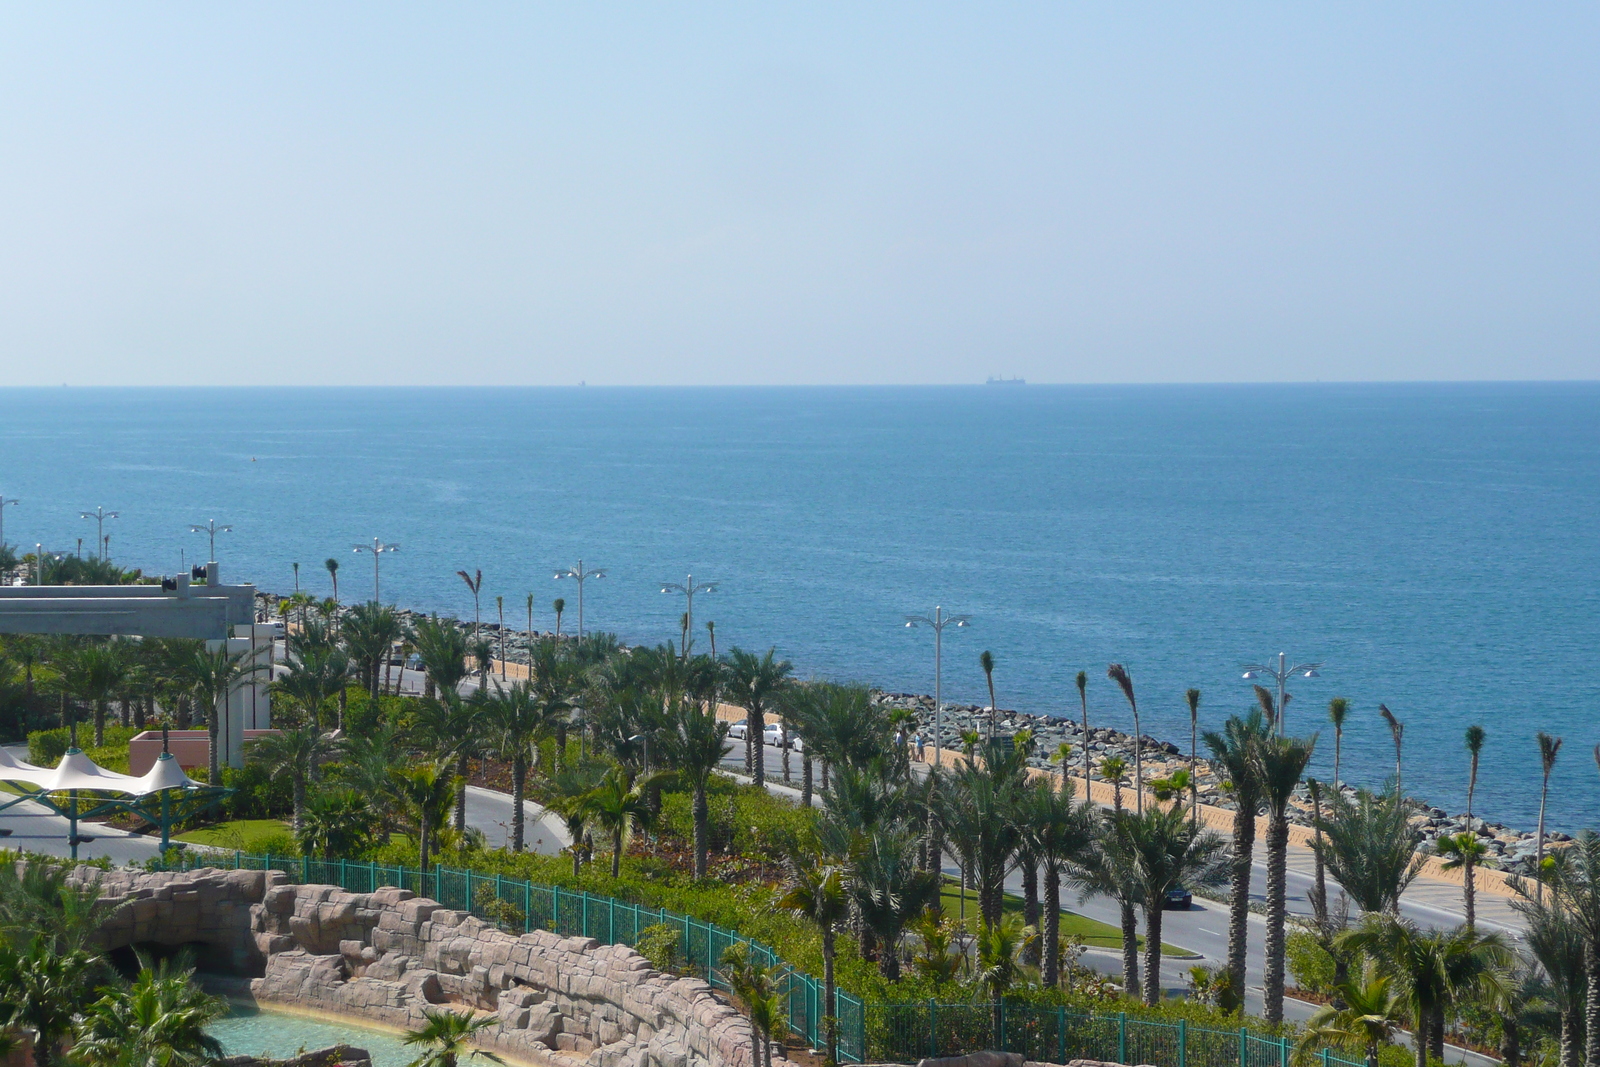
(579, 575)
(1280, 675)
(689, 588)
(938, 622)
(377, 548)
(4, 502)
(100, 515)
(213, 529)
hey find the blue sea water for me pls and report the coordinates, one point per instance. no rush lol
(1435, 546)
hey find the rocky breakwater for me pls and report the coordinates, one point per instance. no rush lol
(388, 955)
(1510, 850)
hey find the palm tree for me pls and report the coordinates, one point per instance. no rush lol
(212, 678)
(556, 682)
(1575, 887)
(1108, 868)
(1192, 697)
(442, 647)
(1083, 699)
(1112, 768)
(41, 990)
(888, 889)
(1434, 969)
(515, 722)
(333, 573)
(369, 633)
(160, 1020)
(40, 903)
(1369, 846)
(446, 1037)
(474, 583)
(617, 806)
(453, 729)
(1119, 674)
(1319, 887)
(96, 674)
(997, 965)
(1338, 709)
(1462, 852)
(1549, 747)
(312, 679)
(979, 812)
(1233, 751)
(560, 606)
(754, 683)
(1556, 944)
(986, 661)
(697, 747)
(1469, 853)
(425, 793)
(817, 894)
(1368, 1014)
(1062, 833)
(1168, 852)
(760, 987)
(1397, 730)
(295, 752)
(337, 822)
(1280, 763)
(564, 792)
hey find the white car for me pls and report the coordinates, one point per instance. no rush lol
(737, 730)
(775, 735)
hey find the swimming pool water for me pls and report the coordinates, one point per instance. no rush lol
(252, 1032)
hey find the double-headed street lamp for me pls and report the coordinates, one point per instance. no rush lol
(100, 515)
(213, 529)
(1281, 675)
(688, 588)
(580, 575)
(938, 622)
(377, 548)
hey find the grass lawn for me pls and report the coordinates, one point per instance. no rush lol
(1095, 934)
(244, 835)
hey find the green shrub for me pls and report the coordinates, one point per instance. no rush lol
(659, 944)
(741, 820)
(488, 903)
(1309, 963)
(46, 747)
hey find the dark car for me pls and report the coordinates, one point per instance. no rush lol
(1177, 899)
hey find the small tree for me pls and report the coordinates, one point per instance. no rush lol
(446, 1037)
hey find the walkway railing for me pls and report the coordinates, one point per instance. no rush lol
(568, 912)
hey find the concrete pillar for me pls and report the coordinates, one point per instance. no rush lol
(249, 705)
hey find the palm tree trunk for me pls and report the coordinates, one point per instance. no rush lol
(1510, 1040)
(519, 783)
(1419, 1039)
(461, 794)
(99, 723)
(1030, 909)
(299, 801)
(616, 853)
(749, 744)
(422, 851)
(758, 719)
(805, 781)
(1591, 1006)
(1130, 950)
(1152, 953)
(125, 713)
(1244, 836)
(700, 821)
(786, 753)
(1538, 865)
(1277, 858)
(213, 760)
(827, 777)
(830, 1007)
(1436, 1036)
(1050, 975)
(1469, 893)
(1138, 764)
(1570, 1054)
(344, 703)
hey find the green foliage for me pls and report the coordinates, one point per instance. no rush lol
(743, 821)
(491, 906)
(46, 747)
(660, 944)
(257, 793)
(1309, 963)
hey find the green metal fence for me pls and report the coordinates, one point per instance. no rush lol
(908, 1032)
(570, 912)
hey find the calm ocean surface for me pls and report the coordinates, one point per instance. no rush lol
(1434, 545)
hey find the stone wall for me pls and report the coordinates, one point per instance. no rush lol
(388, 955)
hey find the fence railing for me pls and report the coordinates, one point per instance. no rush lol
(570, 912)
(909, 1032)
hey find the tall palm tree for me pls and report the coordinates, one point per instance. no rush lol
(696, 749)
(557, 680)
(1435, 969)
(817, 893)
(514, 722)
(979, 813)
(759, 986)
(617, 807)
(1192, 697)
(295, 752)
(1463, 852)
(1280, 763)
(565, 792)
(333, 573)
(212, 678)
(96, 674)
(1368, 1012)
(475, 583)
(1233, 752)
(369, 633)
(1574, 881)
(1168, 852)
(889, 889)
(1108, 868)
(1549, 748)
(560, 607)
(986, 661)
(442, 647)
(1119, 674)
(1062, 834)
(160, 1020)
(1397, 730)
(754, 683)
(446, 1038)
(1338, 711)
(425, 794)
(1370, 848)
(1556, 944)
(1083, 700)
(997, 966)
(337, 822)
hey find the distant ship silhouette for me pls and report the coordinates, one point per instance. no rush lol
(1007, 381)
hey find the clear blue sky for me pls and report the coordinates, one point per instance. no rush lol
(802, 193)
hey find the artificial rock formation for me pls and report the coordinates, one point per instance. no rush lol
(388, 955)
